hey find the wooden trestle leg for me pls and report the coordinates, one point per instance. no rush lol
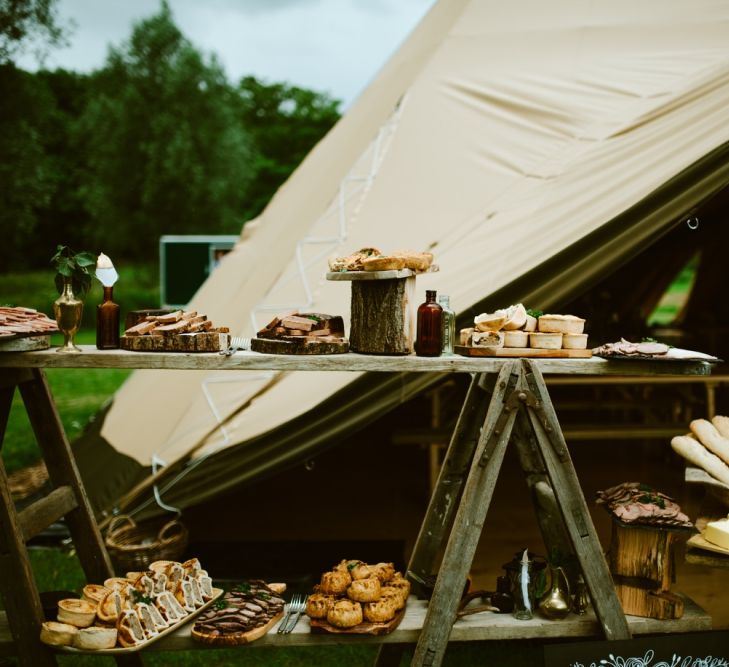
(519, 399)
(68, 499)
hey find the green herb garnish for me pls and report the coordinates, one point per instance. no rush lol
(264, 596)
(220, 604)
(352, 564)
(535, 312)
(141, 597)
(245, 587)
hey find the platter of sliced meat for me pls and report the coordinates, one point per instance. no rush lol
(640, 506)
(25, 329)
(624, 350)
(242, 615)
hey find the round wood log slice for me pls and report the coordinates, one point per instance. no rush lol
(277, 346)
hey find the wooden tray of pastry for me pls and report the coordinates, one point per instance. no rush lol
(365, 628)
(235, 638)
(533, 352)
(217, 592)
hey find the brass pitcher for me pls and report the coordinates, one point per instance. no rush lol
(557, 601)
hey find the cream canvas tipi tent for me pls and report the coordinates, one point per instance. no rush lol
(531, 146)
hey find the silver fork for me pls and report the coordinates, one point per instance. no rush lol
(295, 601)
(299, 608)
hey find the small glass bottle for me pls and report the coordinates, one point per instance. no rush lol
(449, 325)
(523, 590)
(107, 322)
(429, 339)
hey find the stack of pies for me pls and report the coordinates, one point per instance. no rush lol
(354, 592)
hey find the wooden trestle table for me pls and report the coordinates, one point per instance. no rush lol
(507, 401)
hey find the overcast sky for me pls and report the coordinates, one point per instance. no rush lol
(331, 46)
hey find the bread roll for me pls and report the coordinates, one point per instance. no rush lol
(710, 437)
(721, 424)
(692, 450)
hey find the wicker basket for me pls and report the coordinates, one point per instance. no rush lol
(132, 547)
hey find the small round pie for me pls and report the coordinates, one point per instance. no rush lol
(318, 605)
(74, 611)
(383, 571)
(95, 638)
(94, 593)
(345, 614)
(57, 634)
(380, 611)
(335, 582)
(364, 590)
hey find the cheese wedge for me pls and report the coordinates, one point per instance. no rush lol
(717, 532)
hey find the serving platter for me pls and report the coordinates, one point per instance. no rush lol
(235, 638)
(217, 592)
(532, 352)
(365, 628)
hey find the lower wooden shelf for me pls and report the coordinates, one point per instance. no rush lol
(476, 627)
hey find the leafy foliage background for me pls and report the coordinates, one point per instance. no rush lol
(156, 142)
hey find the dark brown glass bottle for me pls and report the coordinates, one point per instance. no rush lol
(107, 322)
(429, 340)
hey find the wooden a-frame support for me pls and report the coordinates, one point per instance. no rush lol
(67, 499)
(513, 406)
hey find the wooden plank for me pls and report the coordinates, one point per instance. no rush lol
(476, 627)
(469, 519)
(42, 513)
(447, 492)
(530, 352)
(573, 508)
(246, 360)
(62, 471)
(369, 275)
(17, 584)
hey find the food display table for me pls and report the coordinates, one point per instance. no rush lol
(507, 402)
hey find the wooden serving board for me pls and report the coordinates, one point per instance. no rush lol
(235, 638)
(278, 346)
(204, 341)
(322, 626)
(25, 343)
(217, 592)
(700, 542)
(533, 352)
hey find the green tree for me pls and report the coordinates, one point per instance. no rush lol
(28, 21)
(166, 152)
(285, 123)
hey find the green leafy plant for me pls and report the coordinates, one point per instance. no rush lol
(534, 312)
(73, 265)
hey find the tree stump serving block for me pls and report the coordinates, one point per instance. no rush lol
(642, 565)
(382, 310)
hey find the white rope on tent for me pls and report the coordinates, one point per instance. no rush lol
(353, 189)
(345, 195)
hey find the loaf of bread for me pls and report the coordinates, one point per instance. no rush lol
(721, 424)
(693, 451)
(710, 437)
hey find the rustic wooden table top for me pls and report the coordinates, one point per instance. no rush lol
(90, 357)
